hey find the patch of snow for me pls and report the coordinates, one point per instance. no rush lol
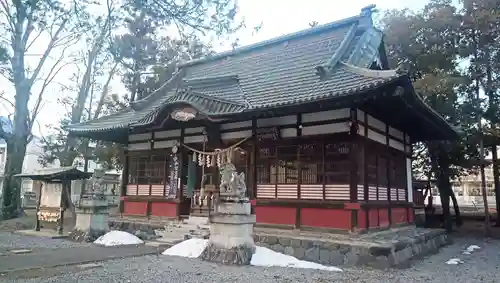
(454, 261)
(193, 248)
(266, 257)
(472, 248)
(118, 238)
(466, 253)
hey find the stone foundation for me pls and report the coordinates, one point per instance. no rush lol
(395, 247)
(241, 255)
(144, 232)
(358, 252)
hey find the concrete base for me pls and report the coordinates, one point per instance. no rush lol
(92, 220)
(241, 255)
(231, 229)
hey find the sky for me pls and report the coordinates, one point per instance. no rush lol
(278, 17)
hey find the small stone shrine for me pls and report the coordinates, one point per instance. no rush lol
(231, 224)
(92, 211)
(53, 193)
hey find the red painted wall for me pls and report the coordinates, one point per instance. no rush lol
(135, 208)
(383, 215)
(373, 217)
(362, 225)
(410, 214)
(165, 209)
(326, 218)
(275, 215)
(399, 215)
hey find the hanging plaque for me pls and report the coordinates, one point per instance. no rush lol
(174, 173)
(183, 114)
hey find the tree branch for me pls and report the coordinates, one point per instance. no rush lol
(45, 55)
(105, 90)
(7, 13)
(29, 26)
(48, 80)
(2, 97)
(28, 45)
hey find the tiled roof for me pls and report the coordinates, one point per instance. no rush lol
(70, 172)
(277, 72)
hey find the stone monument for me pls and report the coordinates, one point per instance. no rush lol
(231, 224)
(92, 211)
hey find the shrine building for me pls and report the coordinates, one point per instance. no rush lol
(319, 124)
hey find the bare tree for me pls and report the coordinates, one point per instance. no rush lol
(22, 23)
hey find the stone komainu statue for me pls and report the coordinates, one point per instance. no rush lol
(232, 184)
(95, 187)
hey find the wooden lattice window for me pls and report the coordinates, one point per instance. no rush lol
(266, 158)
(286, 169)
(158, 169)
(318, 171)
(132, 170)
(400, 176)
(240, 161)
(372, 180)
(142, 170)
(337, 163)
(145, 170)
(311, 163)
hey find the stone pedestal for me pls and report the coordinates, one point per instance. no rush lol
(231, 233)
(92, 217)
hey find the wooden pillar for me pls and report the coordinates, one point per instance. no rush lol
(255, 149)
(365, 167)
(298, 211)
(151, 163)
(180, 173)
(124, 184)
(37, 224)
(353, 160)
(388, 172)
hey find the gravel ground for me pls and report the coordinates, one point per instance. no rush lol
(10, 241)
(481, 266)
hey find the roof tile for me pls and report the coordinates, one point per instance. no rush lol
(279, 72)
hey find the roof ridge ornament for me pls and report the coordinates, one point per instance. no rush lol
(324, 70)
(367, 13)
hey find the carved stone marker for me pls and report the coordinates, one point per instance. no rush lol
(231, 224)
(92, 211)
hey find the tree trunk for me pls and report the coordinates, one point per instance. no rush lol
(16, 150)
(496, 179)
(445, 200)
(458, 216)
